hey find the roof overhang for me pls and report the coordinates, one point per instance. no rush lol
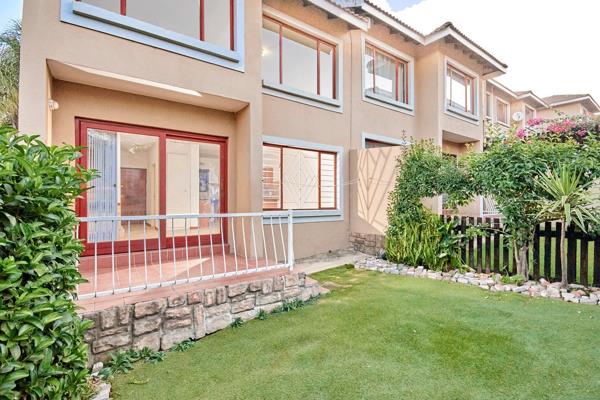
(113, 81)
(452, 35)
(333, 10)
(503, 88)
(588, 101)
(392, 22)
(533, 99)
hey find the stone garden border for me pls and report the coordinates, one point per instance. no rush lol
(161, 323)
(492, 282)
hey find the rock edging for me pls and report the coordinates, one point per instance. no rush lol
(492, 282)
(161, 323)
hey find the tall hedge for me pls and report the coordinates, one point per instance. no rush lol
(42, 352)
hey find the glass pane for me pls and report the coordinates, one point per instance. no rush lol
(217, 22)
(326, 70)
(385, 76)
(529, 114)
(458, 95)
(402, 84)
(138, 183)
(300, 175)
(327, 180)
(299, 61)
(184, 17)
(502, 111)
(271, 175)
(488, 105)
(110, 5)
(270, 51)
(193, 186)
(127, 185)
(369, 64)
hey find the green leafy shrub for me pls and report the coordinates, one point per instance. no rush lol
(415, 235)
(237, 323)
(183, 346)
(122, 362)
(262, 315)
(42, 352)
(513, 279)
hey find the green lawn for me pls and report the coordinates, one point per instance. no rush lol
(382, 336)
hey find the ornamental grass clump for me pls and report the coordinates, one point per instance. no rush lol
(42, 351)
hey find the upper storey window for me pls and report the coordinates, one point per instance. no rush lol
(460, 90)
(208, 20)
(207, 30)
(385, 75)
(298, 62)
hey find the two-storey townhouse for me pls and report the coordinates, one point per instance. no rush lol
(507, 108)
(569, 104)
(231, 106)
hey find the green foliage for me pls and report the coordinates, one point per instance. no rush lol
(42, 352)
(290, 305)
(428, 241)
(513, 280)
(122, 362)
(262, 315)
(10, 48)
(416, 236)
(566, 197)
(183, 346)
(237, 323)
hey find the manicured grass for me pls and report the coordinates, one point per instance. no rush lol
(382, 336)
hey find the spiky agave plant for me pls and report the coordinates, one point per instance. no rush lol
(568, 200)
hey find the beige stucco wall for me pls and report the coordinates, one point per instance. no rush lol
(45, 38)
(568, 109)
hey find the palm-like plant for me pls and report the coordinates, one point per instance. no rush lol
(10, 48)
(568, 200)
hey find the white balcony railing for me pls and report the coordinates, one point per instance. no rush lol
(489, 207)
(126, 254)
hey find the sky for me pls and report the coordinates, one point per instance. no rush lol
(9, 10)
(550, 46)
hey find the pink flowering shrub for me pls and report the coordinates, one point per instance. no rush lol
(580, 129)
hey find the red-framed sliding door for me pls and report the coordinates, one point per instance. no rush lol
(145, 171)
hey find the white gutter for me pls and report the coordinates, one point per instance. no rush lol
(340, 13)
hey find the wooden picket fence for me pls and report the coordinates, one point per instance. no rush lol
(492, 253)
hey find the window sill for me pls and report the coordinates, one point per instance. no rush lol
(306, 216)
(290, 93)
(387, 102)
(455, 112)
(89, 16)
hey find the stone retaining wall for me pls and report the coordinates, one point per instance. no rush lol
(163, 322)
(367, 243)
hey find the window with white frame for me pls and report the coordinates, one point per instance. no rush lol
(210, 21)
(298, 179)
(529, 113)
(296, 59)
(502, 112)
(461, 91)
(489, 105)
(386, 75)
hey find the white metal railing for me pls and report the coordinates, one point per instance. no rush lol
(130, 253)
(489, 207)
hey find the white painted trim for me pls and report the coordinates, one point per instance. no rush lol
(98, 19)
(508, 116)
(535, 98)
(491, 116)
(503, 88)
(300, 96)
(454, 112)
(373, 98)
(342, 14)
(381, 138)
(317, 215)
